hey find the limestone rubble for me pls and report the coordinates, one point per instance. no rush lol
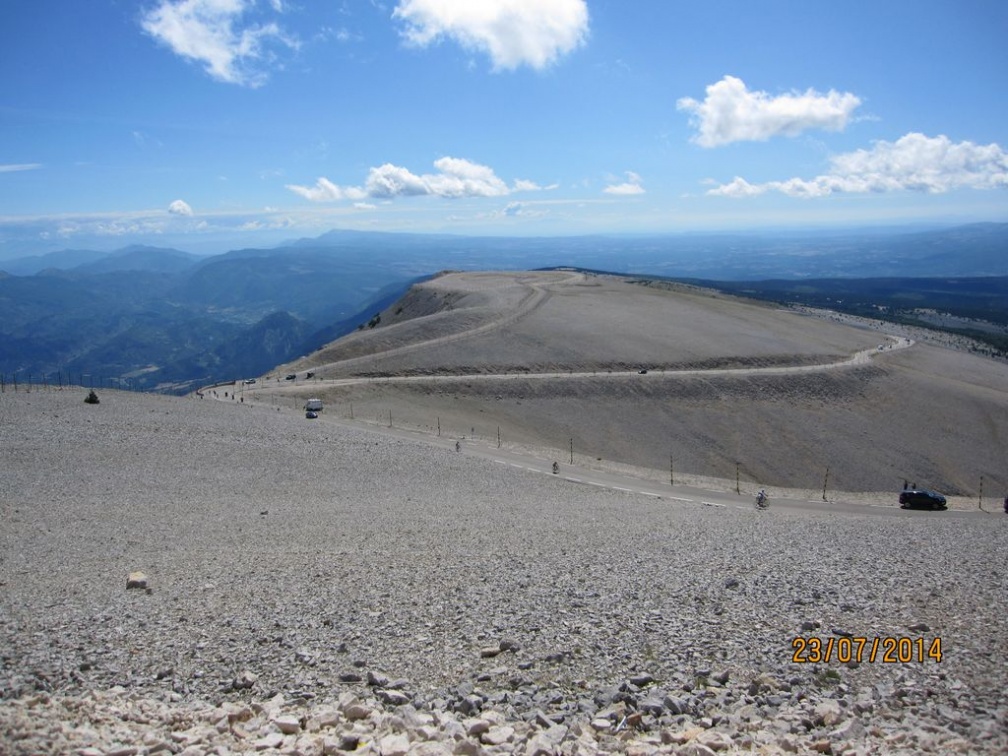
(317, 589)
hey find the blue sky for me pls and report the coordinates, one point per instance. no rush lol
(211, 123)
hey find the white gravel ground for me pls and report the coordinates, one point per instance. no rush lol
(298, 570)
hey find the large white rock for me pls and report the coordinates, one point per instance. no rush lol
(136, 580)
(288, 724)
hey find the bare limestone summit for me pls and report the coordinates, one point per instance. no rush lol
(404, 598)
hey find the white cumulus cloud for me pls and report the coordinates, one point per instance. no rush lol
(455, 178)
(732, 113)
(914, 162)
(214, 33)
(180, 207)
(512, 32)
(629, 187)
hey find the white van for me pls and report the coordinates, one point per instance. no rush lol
(313, 405)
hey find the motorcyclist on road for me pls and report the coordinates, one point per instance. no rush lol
(556, 468)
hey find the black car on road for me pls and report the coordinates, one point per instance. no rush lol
(921, 498)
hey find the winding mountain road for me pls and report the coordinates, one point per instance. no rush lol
(580, 474)
(862, 357)
(538, 292)
(576, 473)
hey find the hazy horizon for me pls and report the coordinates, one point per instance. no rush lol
(204, 247)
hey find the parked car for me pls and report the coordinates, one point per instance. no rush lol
(249, 381)
(921, 498)
(291, 377)
(311, 414)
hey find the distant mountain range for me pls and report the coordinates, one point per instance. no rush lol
(164, 319)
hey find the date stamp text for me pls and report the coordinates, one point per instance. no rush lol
(878, 649)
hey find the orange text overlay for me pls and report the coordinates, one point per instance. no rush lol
(881, 649)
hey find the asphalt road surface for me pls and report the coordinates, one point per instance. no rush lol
(680, 494)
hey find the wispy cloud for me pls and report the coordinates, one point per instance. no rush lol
(216, 34)
(143, 140)
(455, 178)
(631, 186)
(914, 162)
(524, 185)
(15, 167)
(154, 223)
(733, 113)
(512, 33)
